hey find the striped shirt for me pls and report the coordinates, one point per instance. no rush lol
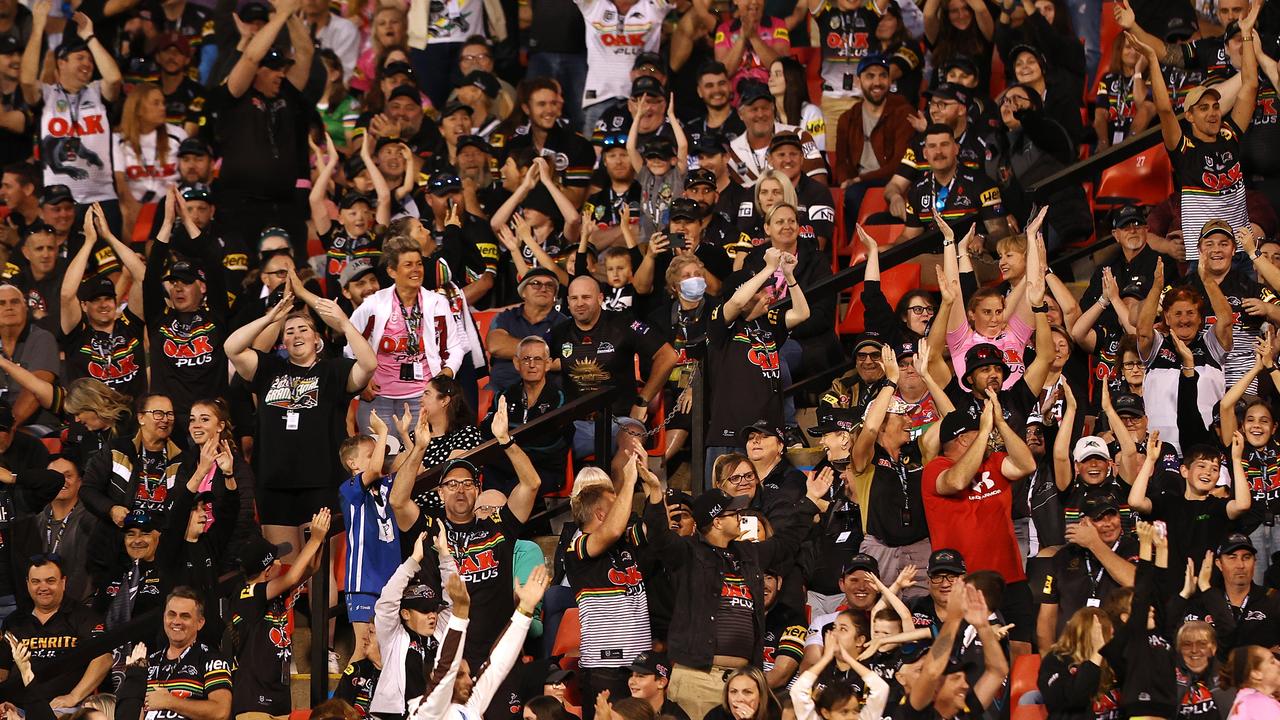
(373, 539)
(193, 675)
(613, 607)
(1212, 182)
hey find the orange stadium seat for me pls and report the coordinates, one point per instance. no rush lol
(894, 283)
(1026, 670)
(1144, 179)
(569, 636)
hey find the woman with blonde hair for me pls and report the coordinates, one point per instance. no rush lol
(747, 696)
(774, 188)
(1074, 678)
(145, 151)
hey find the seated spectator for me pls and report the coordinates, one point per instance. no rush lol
(790, 88)
(885, 113)
(63, 526)
(748, 151)
(1074, 677)
(532, 397)
(536, 315)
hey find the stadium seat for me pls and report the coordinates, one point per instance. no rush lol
(569, 636)
(1026, 671)
(811, 58)
(872, 202)
(1030, 712)
(1144, 179)
(894, 283)
(52, 444)
(569, 475)
(1107, 36)
(484, 320)
(141, 229)
(998, 80)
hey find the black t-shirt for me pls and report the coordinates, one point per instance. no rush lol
(560, 29)
(735, 618)
(1196, 525)
(196, 673)
(972, 710)
(264, 651)
(186, 104)
(972, 157)
(745, 372)
(339, 249)
(49, 642)
(969, 197)
(603, 355)
(262, 141)
(357, 684)
(1076, 579)
(837, 539)
(697, 127)
(571, 154)
(895, 509)
(117, 357)
(605, 207)
(188, 361)
(484, 550)
(784, 636)
(418, 655)
(924, 614)
(462, 255)
(302, 413)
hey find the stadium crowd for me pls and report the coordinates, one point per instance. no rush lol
(293, 294)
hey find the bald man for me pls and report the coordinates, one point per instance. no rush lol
(595, 350)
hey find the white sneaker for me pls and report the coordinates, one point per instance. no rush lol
(334, 668)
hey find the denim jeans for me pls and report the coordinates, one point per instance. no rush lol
(1086, 20)
(435, 65)
(584, 440)
(387, 410)
(568, 69)
(792, 354)
(1267, 541)
(591, 115)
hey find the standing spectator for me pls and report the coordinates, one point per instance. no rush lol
(136, 473)
(74, 132)
(411, 329)
(613, 47)
(745, 335)
(558, 50)
(1121, 106)
(262, 99)
(949, 192)
(437, 35)
(960, 27)
(1207, 164)
(302, 409)
(144, 152)
(969, 486)
(750, 41)
(596, 349)
(29, 346)
(50, 632)
(15, 130)
(334, 33)
(870, 136)
(941, 687)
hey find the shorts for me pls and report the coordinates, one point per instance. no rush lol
(294, 507)
(360, 606)
(1018, 608)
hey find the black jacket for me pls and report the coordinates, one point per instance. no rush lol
(695, 569)
(106, 483)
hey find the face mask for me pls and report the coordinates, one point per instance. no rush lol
(693, 288)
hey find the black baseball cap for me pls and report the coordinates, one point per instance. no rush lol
(946, 560)
(9, 45)
(1098, 505)
(751, 90)
(421, 597)
(1025, 48)
(141, 520)
(1234, 542)
(455, 107)
(649, 60)
(443, 184)
(835, 420)
(949, 91)
(861, 561)
(184, 271)
(486, 81)
(785, 138)
(556, 675)
(646, 85)
(70, 44)
(475, 141)
(456, 463)
(1178, 29)
(405, 90)
(96, 287)
(257, 555)
(871, 61)
(870, 337)
(197, 191)
(1129, 405)
(982, 355)
(709, 143)
(275, 60)
(37, 227)
(353, 166)
(700, 176)
(759, 426)
(679, 497)
(963, 63)
(56, 193)
(1127, 215)
(398, 68)
(713, 503)
(255, 12)
(1135, 288)
(955, 424)
(658, 147)
(687, 209)
(193, 146)
(352, 198)
(651, 663)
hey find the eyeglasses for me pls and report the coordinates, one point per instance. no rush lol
(487, 510)
(943, 579)
(921, 310)
(1132, 365)
(867, 356)
(476, 57)
(741, 479)
(1013, 100)
(457, 484)
(161, 414)
(942, 103)
(542, 284)
(277, 274)
(532, 359)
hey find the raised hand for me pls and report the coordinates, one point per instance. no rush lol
(867, 241)
(419, 547)
(530, 593)
(890, 362)
(1205, 577)
(404, 423)
(818, 483)
(1123, 15)
(459, 598)
(320, 524)
(772, 258)
(84, 26)
(501, 426)
(226, 461)
(377, 424)
(1237, 446)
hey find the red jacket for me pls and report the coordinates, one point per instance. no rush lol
(889, 139)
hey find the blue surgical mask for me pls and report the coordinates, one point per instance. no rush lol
(692, 289)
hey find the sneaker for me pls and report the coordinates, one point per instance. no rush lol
(334, 667)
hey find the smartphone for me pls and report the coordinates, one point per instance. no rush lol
(1162, 530)
(677, 241)
(750, 529)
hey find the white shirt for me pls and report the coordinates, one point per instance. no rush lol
(148, 178)
(342, 37)
(614, 41)
(75, 142)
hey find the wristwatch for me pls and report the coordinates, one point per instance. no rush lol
(640, 401)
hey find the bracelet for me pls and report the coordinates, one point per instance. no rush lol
(1104, 302)
(521, 610)
(1044, 308)
(503, 446)
(791, 285)
(90, 38)
(891, 385)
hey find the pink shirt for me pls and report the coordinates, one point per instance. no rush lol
(1253, 705)
(772, 30)
(1012, 342)
(393, 350)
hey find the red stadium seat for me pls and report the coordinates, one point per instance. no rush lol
(1108, 36)
(872, 202)
(811, 58)
(52, 444)
(840, 245)
(569, 475)
(569, 636)
(1144, 179)
(1026, 671)
(141, 229)
(1030, 712)
(894, 283)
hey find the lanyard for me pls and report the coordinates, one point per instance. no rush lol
(412, 325)
(1096, 579)
(73, 106)
(940, 196)
(51, 541)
